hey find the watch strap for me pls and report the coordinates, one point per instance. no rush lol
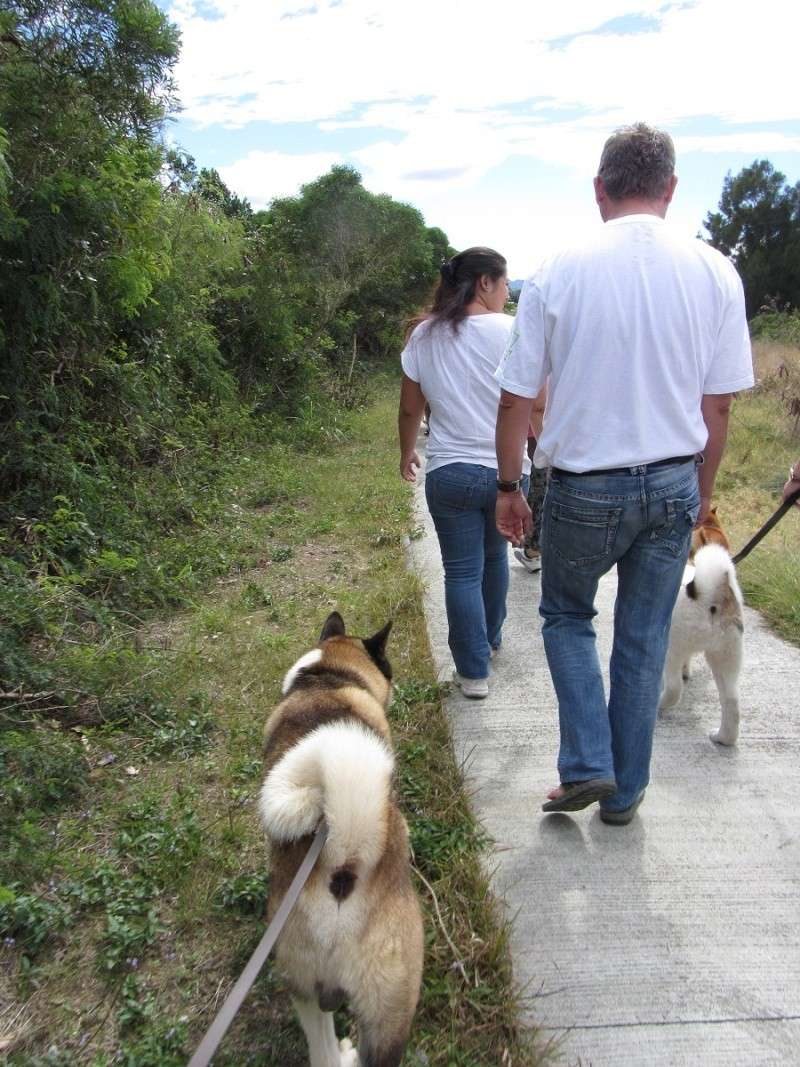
(509, 487)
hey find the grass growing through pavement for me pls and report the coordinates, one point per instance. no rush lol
(763, 440)
(134, 879)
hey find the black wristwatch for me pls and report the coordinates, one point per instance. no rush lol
(509, 487)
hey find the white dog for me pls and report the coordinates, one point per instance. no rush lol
(708, 618)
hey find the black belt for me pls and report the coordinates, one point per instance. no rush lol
(672, 461)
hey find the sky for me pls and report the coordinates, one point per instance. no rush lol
(487, 117)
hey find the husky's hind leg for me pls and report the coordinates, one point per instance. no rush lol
(725, 667)
(323, 1047)
(384, 1023)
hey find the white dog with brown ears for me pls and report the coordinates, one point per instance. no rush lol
(355, 935)
(708, 618)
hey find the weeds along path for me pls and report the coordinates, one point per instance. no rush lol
(134, 875)
(762, 442)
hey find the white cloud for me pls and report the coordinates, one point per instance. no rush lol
(464, 88)
(262, 176)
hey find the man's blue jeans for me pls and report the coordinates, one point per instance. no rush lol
(461, 499)
(641, 520)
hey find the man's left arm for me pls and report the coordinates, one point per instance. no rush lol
(716, 408)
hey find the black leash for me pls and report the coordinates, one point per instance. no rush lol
(226, 1014)
(765, 529)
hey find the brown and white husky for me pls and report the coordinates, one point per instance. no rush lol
(355, 935)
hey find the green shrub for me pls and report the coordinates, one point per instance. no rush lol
(782, 326)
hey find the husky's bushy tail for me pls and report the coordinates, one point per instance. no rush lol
(342, 771)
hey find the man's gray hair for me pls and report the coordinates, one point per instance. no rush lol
(637, 161)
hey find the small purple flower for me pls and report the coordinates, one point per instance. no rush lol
(9, 942)
(133, 962)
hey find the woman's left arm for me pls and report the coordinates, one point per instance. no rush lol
(412, 406)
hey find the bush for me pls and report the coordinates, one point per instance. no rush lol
(782, 326)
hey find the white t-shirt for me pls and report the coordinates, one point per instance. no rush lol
(631, 328)
(455, 372)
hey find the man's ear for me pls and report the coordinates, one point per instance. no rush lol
(334, 627)
(376, 645)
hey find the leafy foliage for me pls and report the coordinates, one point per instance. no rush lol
(152, 326)
(758, 226)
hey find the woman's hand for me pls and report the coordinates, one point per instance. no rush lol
(409, 465)
(513, 517)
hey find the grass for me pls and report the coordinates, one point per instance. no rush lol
(763, 440)
(134, 875)
(132, 872)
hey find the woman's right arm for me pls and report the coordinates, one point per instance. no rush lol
(412, 406)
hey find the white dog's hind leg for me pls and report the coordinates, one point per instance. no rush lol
(672, 683)
(725, 667)
(323, 1048)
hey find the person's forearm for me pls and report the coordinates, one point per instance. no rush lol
(716, 410)
(537, 412)
(513, 416)
(408, 424)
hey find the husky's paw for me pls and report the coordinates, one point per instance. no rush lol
(348, 1054)
(721, 737)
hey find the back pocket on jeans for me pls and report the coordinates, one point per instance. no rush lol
(582, 536)
(680, 515)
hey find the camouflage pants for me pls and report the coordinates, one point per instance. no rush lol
(536, 491)
(536, 502)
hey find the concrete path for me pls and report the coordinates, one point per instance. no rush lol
(674, 940)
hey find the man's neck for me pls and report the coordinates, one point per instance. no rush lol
(616, 209)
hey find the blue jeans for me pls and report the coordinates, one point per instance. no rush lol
(641, 520)
(461, 499)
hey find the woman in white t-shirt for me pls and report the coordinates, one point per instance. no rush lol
(449, 362)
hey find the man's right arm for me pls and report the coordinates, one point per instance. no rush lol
(716, 409)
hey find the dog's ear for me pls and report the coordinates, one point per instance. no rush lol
(376, 648)
(713, 511)
(376, 645)
(334, 627)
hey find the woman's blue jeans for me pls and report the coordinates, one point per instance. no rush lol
(641, 520)
(461, 499)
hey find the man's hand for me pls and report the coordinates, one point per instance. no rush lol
(409, 465)
(705, 508)
(513, 517)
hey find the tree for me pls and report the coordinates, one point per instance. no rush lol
(758, 226)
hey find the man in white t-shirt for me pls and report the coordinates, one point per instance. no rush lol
(641, 336)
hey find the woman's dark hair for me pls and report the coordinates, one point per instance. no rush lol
(456, 288)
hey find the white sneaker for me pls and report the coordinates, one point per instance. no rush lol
(532, 565)
(474, 688)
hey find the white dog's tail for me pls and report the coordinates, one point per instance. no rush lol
(343, 771)
(715, 576)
